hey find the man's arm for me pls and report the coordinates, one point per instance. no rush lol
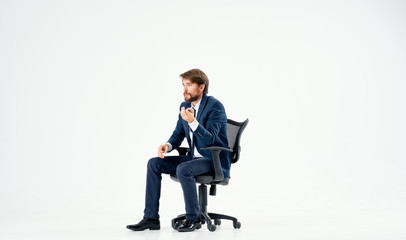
(178, 135)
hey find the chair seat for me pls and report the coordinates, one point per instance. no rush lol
(205, 179)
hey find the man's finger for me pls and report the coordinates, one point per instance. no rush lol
(190, 111)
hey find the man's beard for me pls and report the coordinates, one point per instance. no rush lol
(192, 98)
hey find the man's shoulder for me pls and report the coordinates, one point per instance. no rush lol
(214, 101)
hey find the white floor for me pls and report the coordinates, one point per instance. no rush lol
(298, 226)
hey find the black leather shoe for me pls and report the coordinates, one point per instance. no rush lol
(190, 225)
(146, 223)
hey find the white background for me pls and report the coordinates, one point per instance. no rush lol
(89, 89)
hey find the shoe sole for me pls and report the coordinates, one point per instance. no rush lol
(142, 229)
(190, 230)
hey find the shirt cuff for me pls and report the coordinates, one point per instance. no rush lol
(193, 125)
(170, 146)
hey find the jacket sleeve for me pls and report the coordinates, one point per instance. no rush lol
(216, 120)
(178, 134)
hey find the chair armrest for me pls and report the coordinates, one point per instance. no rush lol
(215, 153)
(182, 151)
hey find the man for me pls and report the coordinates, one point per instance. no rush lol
(203, 121)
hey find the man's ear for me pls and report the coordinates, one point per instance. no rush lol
(201, 87)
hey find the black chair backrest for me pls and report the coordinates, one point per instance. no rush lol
(234, 131)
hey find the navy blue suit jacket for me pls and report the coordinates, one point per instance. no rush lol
(212, 131)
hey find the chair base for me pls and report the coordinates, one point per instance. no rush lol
(212, 219)
(205, 216)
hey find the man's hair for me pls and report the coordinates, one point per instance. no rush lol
(197, 76)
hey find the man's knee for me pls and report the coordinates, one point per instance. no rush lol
(154, 163)
(183, 170)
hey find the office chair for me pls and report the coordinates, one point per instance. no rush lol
(234, 131)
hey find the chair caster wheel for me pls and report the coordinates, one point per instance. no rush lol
(217, 222)
(236, 225)
(211, 228)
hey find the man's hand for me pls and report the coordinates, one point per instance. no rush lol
(188, 114)
(162, 150)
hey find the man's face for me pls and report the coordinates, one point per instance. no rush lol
(191, 91)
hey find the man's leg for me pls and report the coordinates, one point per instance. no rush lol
(157, 166)
(186, 172)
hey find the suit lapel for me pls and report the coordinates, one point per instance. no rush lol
(202, 106)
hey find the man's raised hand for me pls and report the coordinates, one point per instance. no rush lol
(187, 114)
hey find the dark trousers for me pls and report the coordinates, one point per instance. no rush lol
(185, 168)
